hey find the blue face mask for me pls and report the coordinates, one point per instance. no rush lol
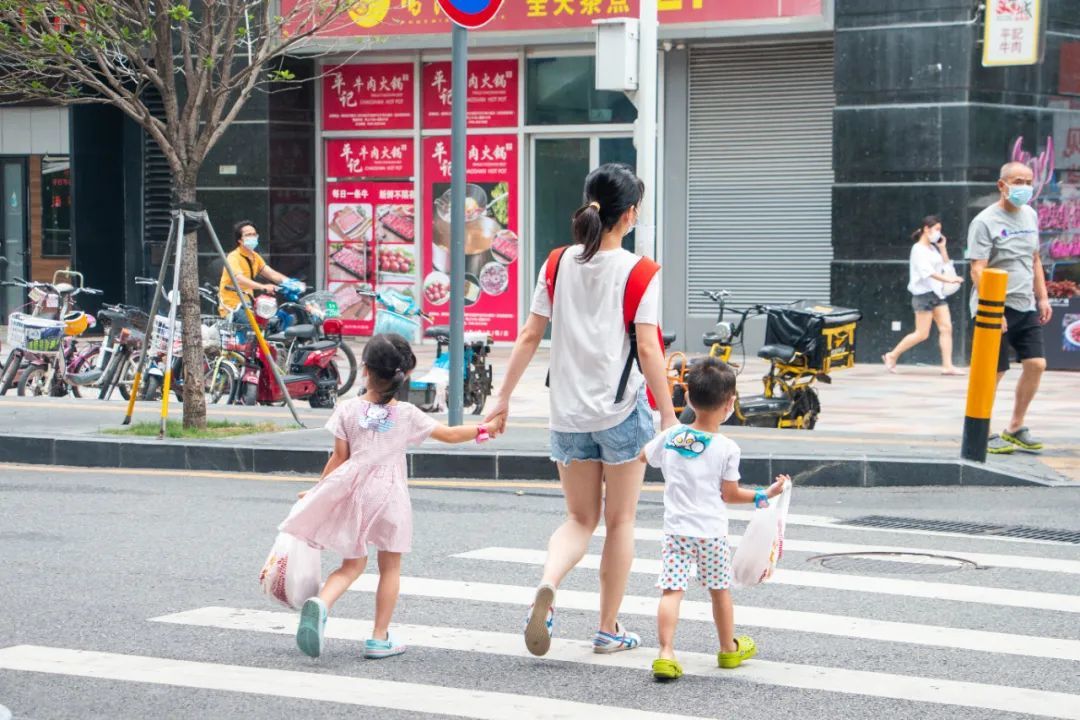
(251, 242)
(1020, 195)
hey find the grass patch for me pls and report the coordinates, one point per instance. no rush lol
(214, 429)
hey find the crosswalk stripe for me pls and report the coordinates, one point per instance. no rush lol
(832, 581)
(796, 620)
(1019, 562)
(414, 697)
(856, 682)
(838, 524)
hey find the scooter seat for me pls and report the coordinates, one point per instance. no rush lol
(669, 339)
(320, 345)
(780, 353)
(276, 337)
(305, 332)
(437, 331)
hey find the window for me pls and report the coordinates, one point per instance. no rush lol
(562, 91)
(55, 207)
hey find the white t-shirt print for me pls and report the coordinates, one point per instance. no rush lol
(694, 464)
(589, 344)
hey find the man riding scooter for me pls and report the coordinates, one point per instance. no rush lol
(247, 265)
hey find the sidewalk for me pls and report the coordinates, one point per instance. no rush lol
(876, 429)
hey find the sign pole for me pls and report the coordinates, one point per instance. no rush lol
(459, 93)
(645, 128)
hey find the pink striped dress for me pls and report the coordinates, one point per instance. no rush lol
(365, 500)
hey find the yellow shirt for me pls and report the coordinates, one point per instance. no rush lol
(244, 263)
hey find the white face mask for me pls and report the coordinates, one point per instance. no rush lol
(935, 236)
(251, 242)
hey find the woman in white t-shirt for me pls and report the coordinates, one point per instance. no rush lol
(595, 439)
(930, 274)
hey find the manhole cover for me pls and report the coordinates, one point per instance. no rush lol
(888, 563)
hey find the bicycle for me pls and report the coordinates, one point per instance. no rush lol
(805, 341)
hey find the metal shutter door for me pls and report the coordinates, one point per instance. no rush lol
(760, 180)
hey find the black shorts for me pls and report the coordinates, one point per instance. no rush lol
(926, 302)
(1025, 336)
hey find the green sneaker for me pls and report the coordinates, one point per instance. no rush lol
(1022, 439)
(998, 446)
(309, 633)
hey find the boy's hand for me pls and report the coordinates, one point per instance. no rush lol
(778, 487)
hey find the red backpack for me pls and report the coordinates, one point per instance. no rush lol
(637, 283)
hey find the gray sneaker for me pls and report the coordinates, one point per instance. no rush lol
(1022, 439)
(999, 446)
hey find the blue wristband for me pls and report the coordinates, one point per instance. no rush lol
(761, 500)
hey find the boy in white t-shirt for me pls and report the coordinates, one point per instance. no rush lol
(701, 475)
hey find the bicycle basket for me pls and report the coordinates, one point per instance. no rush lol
(824, 334)
(160, 337)
(322, 304)
(36, 334)
(388, 321)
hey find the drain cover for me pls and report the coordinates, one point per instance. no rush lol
(888, 563)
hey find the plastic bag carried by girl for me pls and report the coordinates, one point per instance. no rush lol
(292, 572)
(762, 544)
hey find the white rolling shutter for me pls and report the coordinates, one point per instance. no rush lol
(760, 180)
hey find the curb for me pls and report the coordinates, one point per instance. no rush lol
(807, 470)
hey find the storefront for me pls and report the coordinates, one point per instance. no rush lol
(537, 126)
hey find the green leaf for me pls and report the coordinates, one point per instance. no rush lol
(282, 75)
(208, 61)
(180, 13)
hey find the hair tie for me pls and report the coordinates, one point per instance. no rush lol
(596, 205)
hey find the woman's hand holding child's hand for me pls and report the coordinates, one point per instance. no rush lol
(778, 487)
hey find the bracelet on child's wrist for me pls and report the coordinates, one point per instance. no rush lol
(761, 499)
(482, 434)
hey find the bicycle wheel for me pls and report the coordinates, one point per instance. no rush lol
(345, 362)
(33, 381)
(221, 381)
(81, 363)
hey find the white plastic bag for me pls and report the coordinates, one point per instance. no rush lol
(762, 544)
(948, 289)
(292, 572)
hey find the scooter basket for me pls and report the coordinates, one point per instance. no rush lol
(36, 334)
(388, 321)
(822, 334)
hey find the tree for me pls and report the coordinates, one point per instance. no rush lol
(204, 59)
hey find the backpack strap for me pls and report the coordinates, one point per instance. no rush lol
(641, 275)
(551, 274)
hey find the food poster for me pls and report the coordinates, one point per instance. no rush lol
(492, 99)
(492, 245)
(370, 243)
(368, 96)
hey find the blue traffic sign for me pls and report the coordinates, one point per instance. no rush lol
(470, 13)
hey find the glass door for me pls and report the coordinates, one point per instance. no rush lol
(13, 242)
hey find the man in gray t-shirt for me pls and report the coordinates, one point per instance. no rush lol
(1005, 236)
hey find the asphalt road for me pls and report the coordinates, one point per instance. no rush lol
(152, 577)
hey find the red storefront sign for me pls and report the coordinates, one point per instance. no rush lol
(491, 240)
(417, 17)
(368, 97)
(369, 158)
(492, 96)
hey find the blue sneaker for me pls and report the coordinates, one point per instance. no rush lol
(607, 643)
(540, 622)
(309, 634)
(378, 649)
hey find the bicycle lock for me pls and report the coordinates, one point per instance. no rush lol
(982, 376)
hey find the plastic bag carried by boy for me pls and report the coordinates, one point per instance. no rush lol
(292, 572)
(762, 544)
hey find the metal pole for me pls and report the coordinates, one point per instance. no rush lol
(153, 311)
(263, 347)
(459, 90)
(982, 376)
(174, 302)
(645, 128)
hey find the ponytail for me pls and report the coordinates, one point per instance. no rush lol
(587, 229)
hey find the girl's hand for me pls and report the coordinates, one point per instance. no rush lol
(496, 427)
(302, 493)
(778, 487)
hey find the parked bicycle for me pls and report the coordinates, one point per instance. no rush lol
(805, 342)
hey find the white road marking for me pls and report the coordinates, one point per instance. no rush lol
(1018, 562)
(796, 620)
(412, 697)
(856, 682)
(832, 581)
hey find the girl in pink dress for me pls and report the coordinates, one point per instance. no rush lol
(363, 496)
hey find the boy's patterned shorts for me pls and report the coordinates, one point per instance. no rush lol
(712, 556)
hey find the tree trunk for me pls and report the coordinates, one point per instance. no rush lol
(194, 398)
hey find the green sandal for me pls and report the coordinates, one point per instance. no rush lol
(746, 650)
(665, 669)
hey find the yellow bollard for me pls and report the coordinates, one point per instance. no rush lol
(982, 376)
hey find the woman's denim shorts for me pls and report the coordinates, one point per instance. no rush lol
(614, 446)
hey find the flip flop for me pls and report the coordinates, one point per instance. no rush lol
(890, 366)
(746, 649)
(665, 669)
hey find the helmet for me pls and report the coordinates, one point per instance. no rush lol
(76, 323)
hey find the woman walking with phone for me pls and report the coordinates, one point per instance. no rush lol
(597, 432)
(932, 279)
